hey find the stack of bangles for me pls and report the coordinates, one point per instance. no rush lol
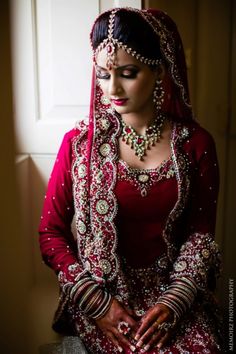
(91, 299)
(179, 296)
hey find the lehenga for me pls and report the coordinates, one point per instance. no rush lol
(136, 230)
(145, 199)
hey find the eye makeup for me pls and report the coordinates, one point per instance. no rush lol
(127, 72)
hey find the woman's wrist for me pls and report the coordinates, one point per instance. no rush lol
(91, 298)
(179, 296)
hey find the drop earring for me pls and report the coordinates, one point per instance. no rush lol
(158, 94)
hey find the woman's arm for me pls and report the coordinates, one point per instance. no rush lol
(198, 262)
(57, 243)
(199, 257)
(59, 251)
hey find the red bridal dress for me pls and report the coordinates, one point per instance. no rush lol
(163, 220)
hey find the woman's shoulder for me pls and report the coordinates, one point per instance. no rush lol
(80, 129)
(198, 141)
(198, 135)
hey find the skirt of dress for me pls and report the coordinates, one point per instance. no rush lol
(196, 333)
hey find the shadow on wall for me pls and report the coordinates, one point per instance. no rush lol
(44, 287)
(14, 257)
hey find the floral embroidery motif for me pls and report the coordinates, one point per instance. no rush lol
(104, 124)
(105, 265)
(142, 179)
(184, 133)
(180, 266)
(205, 253)
(82, 227)
(102, 206)
(191, 261)
(82, 171)
(163, 262)
(105, 149)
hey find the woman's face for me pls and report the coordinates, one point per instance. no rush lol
(129, 85)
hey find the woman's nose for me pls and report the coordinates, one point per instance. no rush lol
(114, 86)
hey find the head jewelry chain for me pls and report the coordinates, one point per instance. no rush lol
(112, 44)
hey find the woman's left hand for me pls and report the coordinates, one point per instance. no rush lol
(148, 335)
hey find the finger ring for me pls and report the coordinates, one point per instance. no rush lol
(165, 326)
(123, 328)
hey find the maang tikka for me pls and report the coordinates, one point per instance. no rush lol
(111, 44)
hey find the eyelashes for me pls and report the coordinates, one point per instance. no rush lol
(127, 74)
(102, 76)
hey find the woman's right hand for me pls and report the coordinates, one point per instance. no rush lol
(110, 321)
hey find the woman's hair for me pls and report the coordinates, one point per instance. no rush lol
(130, 29)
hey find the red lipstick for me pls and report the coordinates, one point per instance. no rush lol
(120, 101)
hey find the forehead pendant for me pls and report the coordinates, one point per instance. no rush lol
(111, 42)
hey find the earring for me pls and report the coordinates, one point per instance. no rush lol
(158, 94)
(105, 100)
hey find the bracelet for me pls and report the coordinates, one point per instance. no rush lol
(179, 296)
(90, 298)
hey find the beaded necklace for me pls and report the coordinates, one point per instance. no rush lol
(140, 143)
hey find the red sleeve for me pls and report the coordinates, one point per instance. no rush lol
(205, 183)
(57, 243)
(199, 255)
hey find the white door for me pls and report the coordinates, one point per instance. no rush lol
(52, 67)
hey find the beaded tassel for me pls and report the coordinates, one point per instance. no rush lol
(140, 143)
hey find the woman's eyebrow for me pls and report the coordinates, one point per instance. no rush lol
(119, 67)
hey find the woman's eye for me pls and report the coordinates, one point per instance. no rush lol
(102, 75)
(129, 74)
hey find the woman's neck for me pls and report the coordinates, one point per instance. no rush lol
(139, 121)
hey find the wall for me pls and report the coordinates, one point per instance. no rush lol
(15, 246)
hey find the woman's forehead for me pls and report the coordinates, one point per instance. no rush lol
(122, 58)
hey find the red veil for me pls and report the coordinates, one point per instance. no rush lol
(96, 213)
(176, 100)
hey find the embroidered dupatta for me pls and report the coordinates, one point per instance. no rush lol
(94, 168)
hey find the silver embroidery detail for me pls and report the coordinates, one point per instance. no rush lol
(105, 265)
(205, 253)
(82, 171)
(180, 266)
(102, 206)
(105, 149)
(81, 227)
(143, 178)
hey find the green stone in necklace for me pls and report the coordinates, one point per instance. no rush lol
(140, 143)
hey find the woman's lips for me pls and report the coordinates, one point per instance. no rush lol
(120, 101)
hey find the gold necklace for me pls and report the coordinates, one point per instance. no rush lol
(140, 143)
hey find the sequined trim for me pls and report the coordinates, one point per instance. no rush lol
(145, 179)
(181, 166)
(192, 259)
(97, 237)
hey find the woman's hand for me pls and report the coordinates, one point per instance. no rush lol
(148, 334)
(109, 324)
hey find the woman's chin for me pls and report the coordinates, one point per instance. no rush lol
(122, 109)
